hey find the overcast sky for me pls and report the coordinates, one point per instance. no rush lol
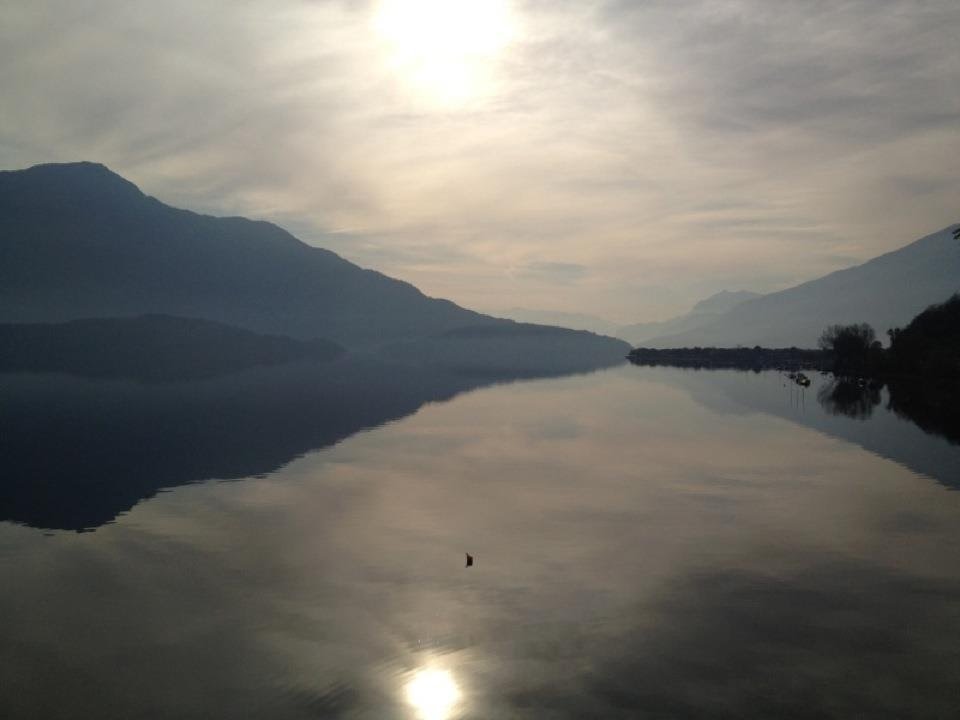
(618, 158)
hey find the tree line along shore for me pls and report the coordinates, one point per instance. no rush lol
(928, 347)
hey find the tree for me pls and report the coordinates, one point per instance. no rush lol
(847, 339)
(956, 233)
(850, 344)
(930, 345)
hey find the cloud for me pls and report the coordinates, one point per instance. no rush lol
(553, 272)
(654, 145)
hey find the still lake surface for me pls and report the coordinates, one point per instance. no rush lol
(649, 543)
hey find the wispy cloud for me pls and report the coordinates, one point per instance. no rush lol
(553, 272)
(640, 154)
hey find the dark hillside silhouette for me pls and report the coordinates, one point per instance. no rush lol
(79, 241)
(514, 349)
(930, 345)
(150, 347)
(755, 358)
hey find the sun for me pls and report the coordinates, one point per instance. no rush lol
(445, 49)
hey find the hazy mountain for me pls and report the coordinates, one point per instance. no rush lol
(574, 321)
(722, 302)
(702, 314)
(886, 292)
(513, 349)
(150, 347)
(79, 241)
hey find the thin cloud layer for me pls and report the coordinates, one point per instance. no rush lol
(619, 158)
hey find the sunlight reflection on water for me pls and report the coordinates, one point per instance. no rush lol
(433, 693)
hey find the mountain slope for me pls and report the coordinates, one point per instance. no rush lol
(77, 240)
(556, 318)
(518, 350)
(701, 314)
(886, 292)
(149, 347)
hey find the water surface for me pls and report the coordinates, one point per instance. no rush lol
(649, 543)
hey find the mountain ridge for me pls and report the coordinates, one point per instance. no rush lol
(149, 348)
(66, 209)
(700, 314)
(886, 291)
(79, 241)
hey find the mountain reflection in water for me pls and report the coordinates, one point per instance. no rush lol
(77, 452)
(652, 543)
(913, 423)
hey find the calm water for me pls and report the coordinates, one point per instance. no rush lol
(649, 543)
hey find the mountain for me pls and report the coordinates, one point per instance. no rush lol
(702, 314)
(79, 241)
(150, 347)
(722, 302)
(518, 350)
(885, 292)
(556, 318)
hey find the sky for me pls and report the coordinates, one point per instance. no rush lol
(622, 158)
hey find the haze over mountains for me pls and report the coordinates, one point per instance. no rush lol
(78, 241)
(557, 318)
(634, 333)
(702, 314)
(885, 292)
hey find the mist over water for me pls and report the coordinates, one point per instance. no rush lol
(648, 542)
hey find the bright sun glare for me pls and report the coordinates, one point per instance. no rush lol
(433, 694)
(445, 48)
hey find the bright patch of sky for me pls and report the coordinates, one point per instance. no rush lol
(623, 159)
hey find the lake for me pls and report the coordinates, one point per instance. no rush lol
(648, 543)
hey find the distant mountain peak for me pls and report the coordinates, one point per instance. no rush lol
(703, 312)
(886, 292)
(722, 301)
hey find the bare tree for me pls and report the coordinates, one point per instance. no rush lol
(847, 340)
(854, 347)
